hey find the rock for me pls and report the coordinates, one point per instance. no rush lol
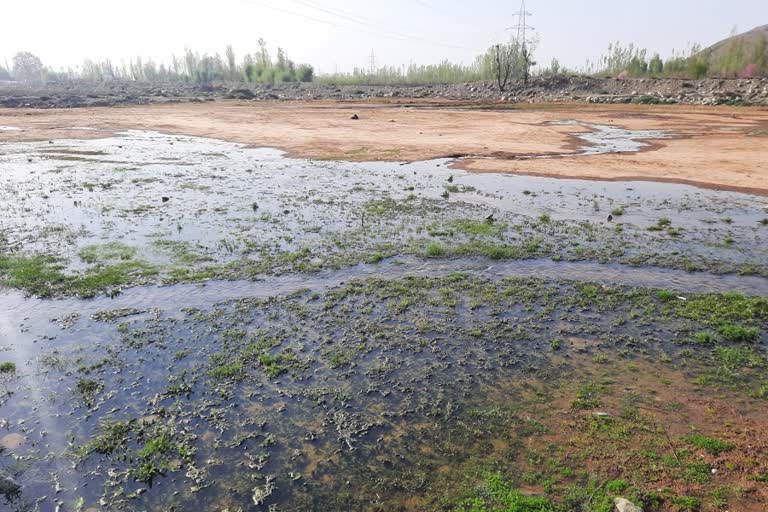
(355, 117)
(165, 199)
(241, 94)
(610, 218)
(624, 505)
(8, 486)
(489, 218)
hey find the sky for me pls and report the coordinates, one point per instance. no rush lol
(338, 35)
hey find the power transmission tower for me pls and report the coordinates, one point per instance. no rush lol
(372, 62)
(522, 41)
(521, 27)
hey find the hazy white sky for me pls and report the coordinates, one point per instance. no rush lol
(340, 34)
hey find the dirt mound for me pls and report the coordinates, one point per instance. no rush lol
(561, 89)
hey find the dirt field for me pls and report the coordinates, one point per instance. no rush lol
(715, 147)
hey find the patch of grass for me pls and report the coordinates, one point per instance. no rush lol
(730, 361)
(737, 333)
(720, 309)
(556, 344)
(8, 367)
(617, 486)
(38, 275)
(113, 276)
(710, 444)
(230, 371)
(87, 389)
(107, 252)
(661, 224)
(478, 227)
(180, 252)
(497, 495)
(587, 397)
(705, 338)
(153, 458)
(686, 503)
(376, 257)
(340, 357)
(434, 250)
(271, 365)
(112, 436)
(666, 295)
(618, 212)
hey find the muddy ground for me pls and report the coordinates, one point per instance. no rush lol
(717, 147)
(236, 306)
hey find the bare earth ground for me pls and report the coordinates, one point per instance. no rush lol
(717, 147)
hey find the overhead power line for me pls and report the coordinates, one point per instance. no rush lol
(429, 6)
(349, 18)
(346, 15)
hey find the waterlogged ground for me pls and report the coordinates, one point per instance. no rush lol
(418, 393)
(373, 336)
(84, 217)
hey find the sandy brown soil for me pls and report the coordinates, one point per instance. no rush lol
(719, 147)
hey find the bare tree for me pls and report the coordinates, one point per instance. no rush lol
(27, 67)
(526, 61)
(231, 64)
(503, 63)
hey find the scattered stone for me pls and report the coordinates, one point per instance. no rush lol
(166, 199)
(355, 117)
(12, 441)
(260, 494)
(8, 486)
(624, 505)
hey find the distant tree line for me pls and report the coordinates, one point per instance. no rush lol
(414, 74)
(501, 63)
(516, 65)
(191, 67)
(737, 58)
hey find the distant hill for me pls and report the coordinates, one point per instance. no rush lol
(739, 55)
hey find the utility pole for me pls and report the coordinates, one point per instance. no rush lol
(372, 62)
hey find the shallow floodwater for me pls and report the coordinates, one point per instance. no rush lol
(178, 296)
(360, 384)
(189, 202)
(602, 139)
(320, 392)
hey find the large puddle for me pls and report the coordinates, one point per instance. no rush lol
(288, 375)
(603, 139)
(337, 396)
(189, 203)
